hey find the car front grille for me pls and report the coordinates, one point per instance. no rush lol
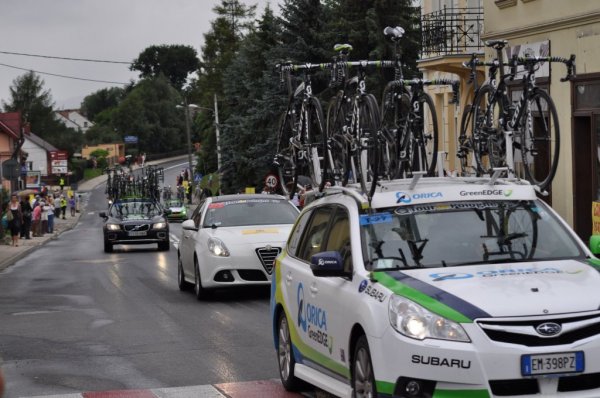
(523, 332)
(137, 227)
(267, 257)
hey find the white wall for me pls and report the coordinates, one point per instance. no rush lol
(37, 156)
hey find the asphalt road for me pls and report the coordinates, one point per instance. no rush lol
(73, 318)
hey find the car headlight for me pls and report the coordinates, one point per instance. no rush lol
(414, 321)
(159, 225)
(217, 247)
(113, 227)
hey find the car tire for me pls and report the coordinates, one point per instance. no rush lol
(285, 356)
(164, 246)
(181, 282)
(108, 247)
(363, 377)
(199, 290)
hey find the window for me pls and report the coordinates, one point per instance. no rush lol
(198, 213)
(338, 238)
(294, 240)
(312, 239)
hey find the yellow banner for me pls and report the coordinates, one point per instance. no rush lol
(595, 218)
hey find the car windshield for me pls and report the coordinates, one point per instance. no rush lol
(250, 212)
(464, 233)
(135, 208)
(174, 203)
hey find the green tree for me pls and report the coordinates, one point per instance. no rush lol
(234, 20)
(247, 138)
(176, 62)
(100, 101)
(29, 97)
(149, 112)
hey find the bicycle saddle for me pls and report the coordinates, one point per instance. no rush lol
(393, 33)
(342, 48)
(497, 44)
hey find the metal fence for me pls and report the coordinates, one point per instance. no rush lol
(452, 31)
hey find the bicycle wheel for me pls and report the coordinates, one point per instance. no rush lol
(538, 140)
(423, 144)
(395, 109)
(285, 158)
(316, 142)
(338, 146)
(488, 140)
(367, 150)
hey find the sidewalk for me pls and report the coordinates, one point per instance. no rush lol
(10, 254)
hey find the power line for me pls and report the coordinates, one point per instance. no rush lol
(63, 76)
(66, 58)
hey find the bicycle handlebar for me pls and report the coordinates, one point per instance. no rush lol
(531, 61)
(434, 82)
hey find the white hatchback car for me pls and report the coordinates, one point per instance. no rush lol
(439, 287)
(233, 240)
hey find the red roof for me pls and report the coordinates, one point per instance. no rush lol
(10, 123)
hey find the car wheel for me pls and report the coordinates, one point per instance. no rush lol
(108, 247)
(164, 246)
(285, 356)
(363, 379)
(183, 284)
(201, 292)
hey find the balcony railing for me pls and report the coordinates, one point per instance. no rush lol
(452, 31)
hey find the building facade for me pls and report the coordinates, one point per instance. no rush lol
(454, 29)
(566, 27)
(72, 118)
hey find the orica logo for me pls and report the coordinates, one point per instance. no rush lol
(403, 197)
(300, 300)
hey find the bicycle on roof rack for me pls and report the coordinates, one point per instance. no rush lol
(353, 123)
(301, 139)
(525, 137)
(409, 120)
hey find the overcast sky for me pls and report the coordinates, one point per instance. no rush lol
(113, 30)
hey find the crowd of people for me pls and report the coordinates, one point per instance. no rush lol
(30, 216)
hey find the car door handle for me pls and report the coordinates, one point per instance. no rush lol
(314, 290)
(288, 279)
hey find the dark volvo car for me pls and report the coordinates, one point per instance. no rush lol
(135, 221)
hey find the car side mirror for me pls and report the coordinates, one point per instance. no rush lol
(103, 214)
(327, 264)
(189, 225)
(595, 244)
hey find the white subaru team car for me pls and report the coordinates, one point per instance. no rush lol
(232, 240)
(440, 287)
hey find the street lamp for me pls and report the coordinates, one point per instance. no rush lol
(216, 114)
(189, 139)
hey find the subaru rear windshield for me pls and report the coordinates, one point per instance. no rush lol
(464, 233)
(250, 212)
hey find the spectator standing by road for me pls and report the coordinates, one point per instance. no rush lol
(61, 183)
(72, 205)
(50, 212)
(36, 219)
(44, 219)
(27, 210)
(15, 219)
(63, 206)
